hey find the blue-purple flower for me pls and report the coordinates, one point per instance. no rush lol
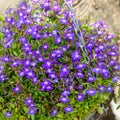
(32, 110)
(68, 109)
(64, 71)
(17, 88)
(80, 97)
(64, 99)
(54, 112)
(8, 114)
(91, 92)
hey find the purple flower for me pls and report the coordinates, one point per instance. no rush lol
(63, 21)
(75, 56)
(64, 71)
(64, 99)
(17, 88)
(45, 47)
(112, 62)
(99, 24)
(101, 88)
(91, 92)
(80, 97)
(3, 77)
(80, 66)
(47, 64)
(15, 63)
(6, 59)
(114, 47)
(56, 8)
(45, 83)
(29, 101)
(49, 70)
(32, 110)
(115, 79)
(57, 40)
(8, 114)
(40, 59)
(101, 48)
(35, 80)
(55, 33)
(97, 70)
(110, 36)
(30, 74)
(10, 20)
(109, 89)
(56, 54)
(34, 63)
(91, 79)
(100, 32)
(117, 67)
(49, 88)
(68, 109)
(69, 36)
(1, 69)
(26, 62)
(106, 73)
(65, 93)
(45, 5)
(54, 112)
(80, 88)
(101, 57)
(8, 44)
(89, 46)
(64, 48)
(79, 75)
(52, 75)
(113, 53)
(22, 39)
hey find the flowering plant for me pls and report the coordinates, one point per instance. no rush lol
(52, 66)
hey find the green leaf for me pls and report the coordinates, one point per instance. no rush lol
(100, 110)
(2, 18)
(60, 115)
(1, 35)
(118, 107)
(16, 110)
(1, 100)
(32, 117)
(60, 105)
(1, 107)
(72, 100)
(22, 118)
(12, 105)
(15, 53)
(25, 109)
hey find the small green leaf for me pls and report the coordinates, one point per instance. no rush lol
(72, 100)
(32, 117)
(2, 18)
(22, 118)
(1, 35)
(15, 53)
(60, 105)
(118, 107)
(60, 115)
(100, 110)
(25, 109)
(12, 105)
(1, 100)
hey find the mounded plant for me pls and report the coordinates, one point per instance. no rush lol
(53, 66)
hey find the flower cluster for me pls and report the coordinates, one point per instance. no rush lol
(42, 58)
(30, 103)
